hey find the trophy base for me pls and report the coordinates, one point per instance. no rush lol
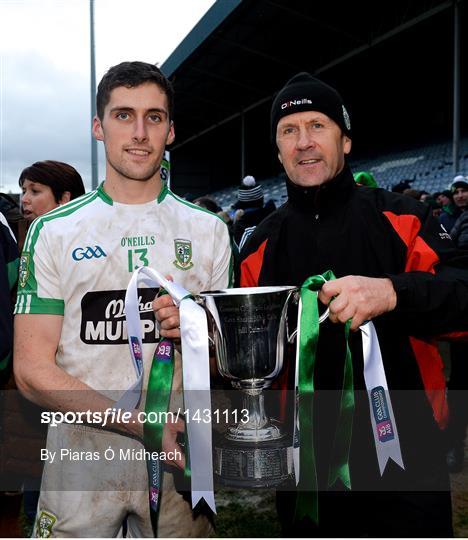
(253, 465)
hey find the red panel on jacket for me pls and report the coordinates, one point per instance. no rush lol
(421, 257)
(251, 267)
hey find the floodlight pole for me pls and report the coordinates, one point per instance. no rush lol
(242, 145)
(94, 158)
(456, 87)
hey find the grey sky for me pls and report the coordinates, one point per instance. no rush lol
(44, 70)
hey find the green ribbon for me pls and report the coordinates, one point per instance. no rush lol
(307, 499)
(157, 402)
(339, 464)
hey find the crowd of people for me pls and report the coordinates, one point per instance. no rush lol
(399, 262)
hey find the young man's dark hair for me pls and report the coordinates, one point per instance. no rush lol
(60, 177)
(131, 74)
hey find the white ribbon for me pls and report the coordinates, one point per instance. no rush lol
(387, 443)
(195, 374)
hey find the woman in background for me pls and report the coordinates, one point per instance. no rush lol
(46, 185)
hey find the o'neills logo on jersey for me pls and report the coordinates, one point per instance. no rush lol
(103, 317)
(296, 102)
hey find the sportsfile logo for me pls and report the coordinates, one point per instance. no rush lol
(88, 252)
(296, 102)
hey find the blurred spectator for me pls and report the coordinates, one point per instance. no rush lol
(436, 207)
(251, 209)
(414, 193)
(8, 277)
(444, 198)
(190, 197)
(424, 195)
(402, 185)
(46, 185)
(460, 192)
(458, 382)
(9, 502)
(18, 224)
(208, 203)
(364, 178)
(450, 210)
(459, 231)
(228, 220)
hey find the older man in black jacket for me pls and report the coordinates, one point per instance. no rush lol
(395, 266)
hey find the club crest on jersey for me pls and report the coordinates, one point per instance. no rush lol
(23, 269)
(183, 253)
(45, 522)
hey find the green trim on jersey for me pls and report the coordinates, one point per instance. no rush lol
(27, 299)
(231, 270)
(64, 210)
(29, 303)
(162, 194)
(108, 200)
(103, 195)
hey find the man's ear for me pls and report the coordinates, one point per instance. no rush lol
(279, 157)
(347, 143)
(97, 129)
(66, 197)
(171, 135)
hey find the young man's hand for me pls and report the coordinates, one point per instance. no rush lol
(167, 314)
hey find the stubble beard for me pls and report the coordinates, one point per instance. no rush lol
(127, 172)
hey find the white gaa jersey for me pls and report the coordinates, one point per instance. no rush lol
(78, 260)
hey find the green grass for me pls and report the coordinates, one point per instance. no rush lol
(244, 514)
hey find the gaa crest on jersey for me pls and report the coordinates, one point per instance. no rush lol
(23, 269)
(45, 522)
(183, 253)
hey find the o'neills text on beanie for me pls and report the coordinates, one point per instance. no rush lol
(306, 93)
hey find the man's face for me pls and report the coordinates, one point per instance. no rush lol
(443, 200)
(460, 197)
(311, 147)
(135, 130)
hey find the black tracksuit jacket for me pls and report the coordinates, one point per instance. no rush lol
(354, 230)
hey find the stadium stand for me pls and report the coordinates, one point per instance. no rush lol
(429, 167)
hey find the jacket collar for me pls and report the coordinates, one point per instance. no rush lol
(333, 192)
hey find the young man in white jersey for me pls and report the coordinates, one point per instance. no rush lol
(71, 351)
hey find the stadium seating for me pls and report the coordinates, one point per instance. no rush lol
(429, 167)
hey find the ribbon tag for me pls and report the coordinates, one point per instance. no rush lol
(387, 443)
(195, 373)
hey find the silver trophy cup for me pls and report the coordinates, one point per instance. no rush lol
(249, 328)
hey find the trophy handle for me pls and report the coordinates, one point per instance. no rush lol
(208, 304)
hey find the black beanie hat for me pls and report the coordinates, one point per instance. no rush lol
(306, 93)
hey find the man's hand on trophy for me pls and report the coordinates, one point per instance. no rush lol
(358, 298)
(172, 434)
(167, 315)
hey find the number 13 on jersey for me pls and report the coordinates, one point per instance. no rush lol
(137, 258)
